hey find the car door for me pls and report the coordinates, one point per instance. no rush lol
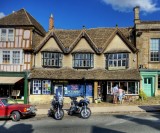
(2, 109)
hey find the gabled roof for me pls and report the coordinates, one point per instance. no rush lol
(21, 18)
(83, 34)
(46, 38)
(118, 32)
(98, 38)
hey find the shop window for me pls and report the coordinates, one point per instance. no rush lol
(46, 87)
(130, 87)
(50, 59)
(41, 87)
(36, 87)
(83, 60)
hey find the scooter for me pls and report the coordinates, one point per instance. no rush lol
(56, 110)
(80, 107)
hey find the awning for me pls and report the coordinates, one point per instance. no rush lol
(9, 80)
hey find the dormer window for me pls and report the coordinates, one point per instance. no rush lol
(117, 61)
(83, 60)
(6, 34)
(51, 59)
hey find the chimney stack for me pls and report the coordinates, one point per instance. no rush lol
(51, 22)
(136, 15)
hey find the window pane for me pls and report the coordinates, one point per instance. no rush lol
(117, 60)
(52, 59)
(16, 57)
(83, 60)
(154, 49)
(46, 87)
(10, 35)
(36, 87)
(6, 57)
(3, 35)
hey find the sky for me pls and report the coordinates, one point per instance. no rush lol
(74, 14)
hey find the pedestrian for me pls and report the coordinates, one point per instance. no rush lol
(120, 94)
(115, 93)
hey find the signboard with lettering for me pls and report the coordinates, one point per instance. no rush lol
(75, 90)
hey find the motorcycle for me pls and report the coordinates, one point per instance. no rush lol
(56, 110)
(80, 107)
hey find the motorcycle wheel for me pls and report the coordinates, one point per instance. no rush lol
(70, 112)
(59, 115)
(85, 114)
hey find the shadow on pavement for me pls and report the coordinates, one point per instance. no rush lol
(141, 121)
(18, 128)
(96, 129)
(150, 108)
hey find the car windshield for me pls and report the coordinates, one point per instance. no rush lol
(8, 101)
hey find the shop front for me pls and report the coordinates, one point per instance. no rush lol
(94, 84)
(15, 85)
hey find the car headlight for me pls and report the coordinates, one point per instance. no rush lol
(26, 109)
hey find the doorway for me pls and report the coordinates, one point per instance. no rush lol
(148, 89)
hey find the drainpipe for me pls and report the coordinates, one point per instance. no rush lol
(26, 88)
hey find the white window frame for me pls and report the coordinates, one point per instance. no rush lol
(11, 56)
(8, 37)
(37, 87)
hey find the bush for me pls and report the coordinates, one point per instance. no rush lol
(142, 95)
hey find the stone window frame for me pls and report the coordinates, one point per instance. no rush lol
(53, 59)
(117, 61)
(83, 60)
(155, 49)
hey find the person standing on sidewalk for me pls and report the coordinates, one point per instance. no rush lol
(115, 93)
(120, 94)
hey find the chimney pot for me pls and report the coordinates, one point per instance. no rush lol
(51, 22)
(136, 15)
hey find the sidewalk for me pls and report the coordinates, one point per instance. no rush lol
(106, 108)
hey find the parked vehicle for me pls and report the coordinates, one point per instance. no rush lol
(9, 108)
(80, 107)
(56, 110)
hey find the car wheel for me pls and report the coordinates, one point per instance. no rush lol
(15, 116)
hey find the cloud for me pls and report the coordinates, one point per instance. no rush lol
(147, 6)
(1, 15)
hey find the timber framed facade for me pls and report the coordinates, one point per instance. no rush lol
(17, 40)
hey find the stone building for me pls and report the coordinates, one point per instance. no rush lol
(147, 41)
(84, 62)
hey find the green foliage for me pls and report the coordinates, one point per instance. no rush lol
(142, 95)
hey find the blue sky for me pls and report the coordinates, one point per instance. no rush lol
(73, 14)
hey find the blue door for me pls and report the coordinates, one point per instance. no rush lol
(58, 90)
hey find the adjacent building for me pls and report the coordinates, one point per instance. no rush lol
(19, 34)
(147, 35)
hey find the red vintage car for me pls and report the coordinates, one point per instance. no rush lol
(9, 108)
